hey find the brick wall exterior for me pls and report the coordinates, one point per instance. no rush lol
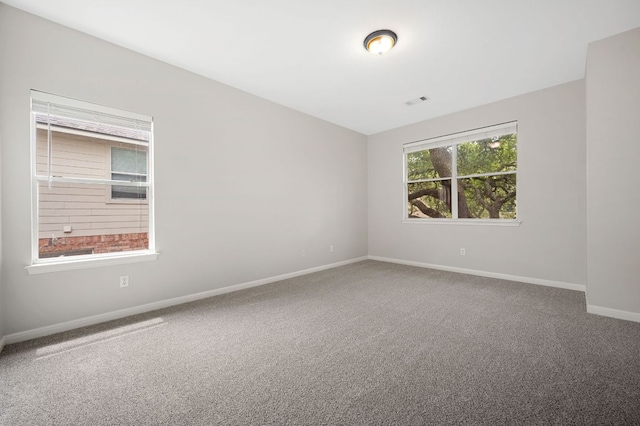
(50, 247)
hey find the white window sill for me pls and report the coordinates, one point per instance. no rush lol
(473, 222)
(91, 261)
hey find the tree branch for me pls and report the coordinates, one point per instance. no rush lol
(426, 210)
(431, 192)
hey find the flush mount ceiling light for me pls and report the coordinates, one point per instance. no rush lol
(380, 41)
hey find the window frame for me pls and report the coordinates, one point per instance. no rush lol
(41, 265)
(454, 140)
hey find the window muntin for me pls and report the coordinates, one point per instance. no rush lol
(73, 180)
(480, 166)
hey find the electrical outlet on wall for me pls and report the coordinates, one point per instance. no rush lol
(463, 252)
(124, 281)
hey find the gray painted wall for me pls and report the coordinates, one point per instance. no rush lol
(242, 185)
(551, 242)
(1, 206)
(613, 151)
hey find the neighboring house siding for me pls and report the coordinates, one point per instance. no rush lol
(88, 209)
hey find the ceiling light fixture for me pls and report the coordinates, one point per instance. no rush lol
(380, 41)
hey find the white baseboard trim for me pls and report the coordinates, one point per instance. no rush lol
(109, 316)
(2, 343)
(613, 313)
(528, 280)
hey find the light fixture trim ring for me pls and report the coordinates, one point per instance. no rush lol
(380, 33)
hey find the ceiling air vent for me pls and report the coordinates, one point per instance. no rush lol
(416, 101)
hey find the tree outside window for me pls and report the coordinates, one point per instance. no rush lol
(479, 167)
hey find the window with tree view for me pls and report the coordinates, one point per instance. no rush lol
(92, 180)
(478, 166)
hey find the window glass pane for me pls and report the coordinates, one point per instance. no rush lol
(80, 150)
(429, 164)
(75, 219)
(75, 156)
(487, 155)
(131, 192)
(487, 197)
(429, 199)
(128, 160)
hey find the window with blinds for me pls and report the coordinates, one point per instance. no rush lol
(467, 175)
(128, 165)
(92, 180)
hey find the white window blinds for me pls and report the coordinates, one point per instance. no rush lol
(56, 106)
(455, 138)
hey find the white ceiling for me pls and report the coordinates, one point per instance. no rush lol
(308, 55)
